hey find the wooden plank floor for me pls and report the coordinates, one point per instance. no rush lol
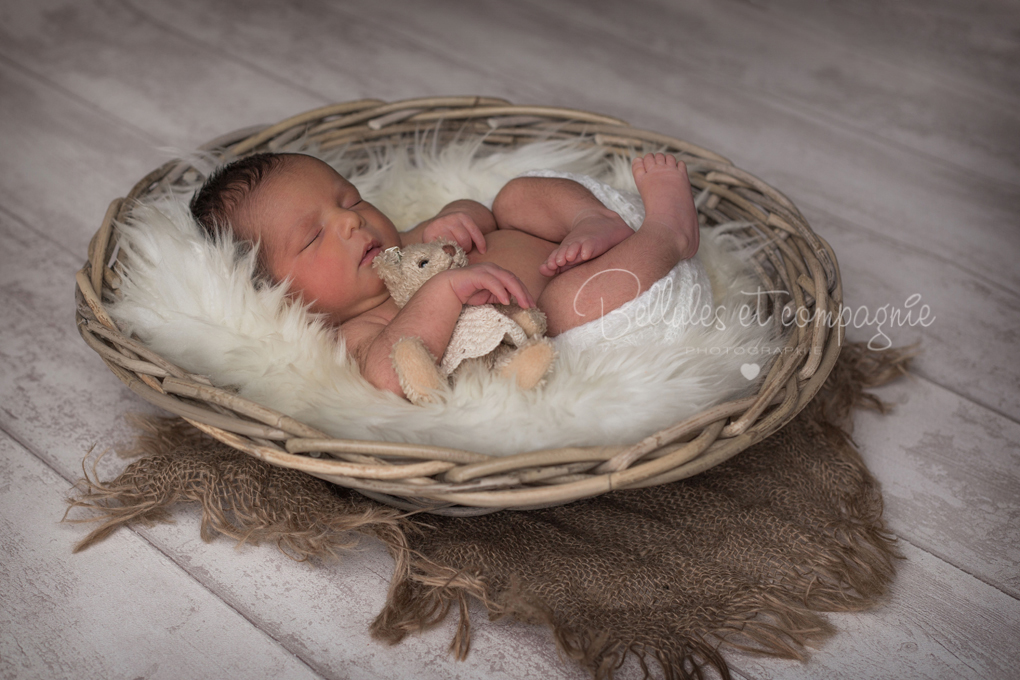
(894, 127)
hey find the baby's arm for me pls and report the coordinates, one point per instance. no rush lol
(431, 314)
(465, 221)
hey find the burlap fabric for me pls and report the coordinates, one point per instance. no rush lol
(743, 556)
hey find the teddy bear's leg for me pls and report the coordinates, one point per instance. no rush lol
(417, 372)
(532, 320)
(529, 363)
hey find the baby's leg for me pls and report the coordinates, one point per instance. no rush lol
(668, 234)
(561, 211)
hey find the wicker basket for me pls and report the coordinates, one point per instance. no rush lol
(449, 481)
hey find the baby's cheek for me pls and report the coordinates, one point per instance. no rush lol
(316, 283)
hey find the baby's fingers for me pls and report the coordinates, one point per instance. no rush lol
(517, 289)
(492, 289)
(458, 234)
(476, 235)
(468, 235)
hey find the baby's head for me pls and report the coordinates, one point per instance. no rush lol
(311, 224)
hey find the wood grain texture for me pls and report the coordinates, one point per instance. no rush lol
(950, 472)
(122, 612)
(50, 380)
(56, 186)
(914, 634)
(825, 74)
(973, 43)
(146, 78)
(321, 612)
(892, 126)
(967, 338)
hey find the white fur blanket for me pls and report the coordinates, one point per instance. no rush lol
(193, 302)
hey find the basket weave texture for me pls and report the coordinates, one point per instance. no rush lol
(795, 264)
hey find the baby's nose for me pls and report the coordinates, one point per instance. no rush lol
(348, 221)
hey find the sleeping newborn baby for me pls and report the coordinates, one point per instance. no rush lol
(547, 241)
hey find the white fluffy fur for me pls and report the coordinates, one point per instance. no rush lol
(194, 303)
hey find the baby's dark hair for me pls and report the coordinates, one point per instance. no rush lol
(228, 187)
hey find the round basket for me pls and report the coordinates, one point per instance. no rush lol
(798, 268)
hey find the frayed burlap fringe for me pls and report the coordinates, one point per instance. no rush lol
(744, 556)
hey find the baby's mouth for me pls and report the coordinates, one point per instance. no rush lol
(373, 250)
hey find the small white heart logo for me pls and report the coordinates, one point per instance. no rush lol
(750, 371)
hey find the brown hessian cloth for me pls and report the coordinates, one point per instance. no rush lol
(744, 555)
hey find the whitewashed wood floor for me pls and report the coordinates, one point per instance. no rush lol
(893, 125)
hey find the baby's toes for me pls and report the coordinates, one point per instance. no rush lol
(637, 166)
(573, 251)
(585, 251)
(557, 259)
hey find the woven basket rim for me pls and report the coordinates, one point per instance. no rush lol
(793, 259)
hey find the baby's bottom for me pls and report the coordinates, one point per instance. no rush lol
(523, 254)
(599, 286)
(668, 234)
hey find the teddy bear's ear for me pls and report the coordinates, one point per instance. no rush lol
(453, 249)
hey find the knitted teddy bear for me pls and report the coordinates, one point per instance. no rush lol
(504, 338)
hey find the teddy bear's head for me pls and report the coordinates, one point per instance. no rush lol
(405, 270)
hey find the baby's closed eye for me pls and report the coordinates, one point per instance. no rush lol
(314, 238)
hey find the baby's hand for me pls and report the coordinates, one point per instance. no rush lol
(485, 283)
(458, 226)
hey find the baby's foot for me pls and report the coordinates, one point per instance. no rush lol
(669, 204)
(594, 232)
